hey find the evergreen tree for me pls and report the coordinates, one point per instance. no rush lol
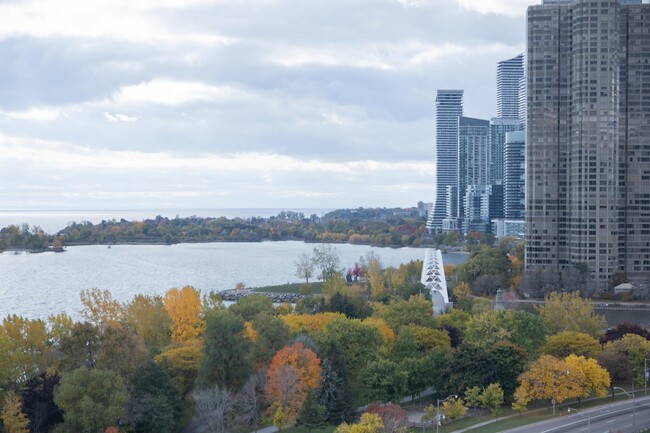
(313, 413)
(335, 392)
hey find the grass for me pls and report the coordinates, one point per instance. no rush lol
(314, 288)
(303, 429)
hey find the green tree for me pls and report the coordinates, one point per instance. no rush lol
(91, 400)
(570, 342)
(326, 258)
(120, 351)
(492, 399)
(335, 389)
(271, 335)
(384, 381)
(405, 346)
(80, 347)
(227, 353)
(473, 397)
(526, 330)
(510, 361)
(358, 342)
(569, 312)
(416, 311)
(312, 414)
(248, 307)
(182, 366)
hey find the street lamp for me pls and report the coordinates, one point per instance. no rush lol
(555, 376)
(645, 376)
(438, 412)
(582, 415)
(633, 403)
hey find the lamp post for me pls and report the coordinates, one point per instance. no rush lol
(555, 376)
(633, 403)
(645, 376)
(582, 415)
(438, 411)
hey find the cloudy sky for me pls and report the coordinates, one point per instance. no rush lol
(153, 104)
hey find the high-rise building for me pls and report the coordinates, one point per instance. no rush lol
(449, 106)
(588, 145)
(514, 176)
(509, 73)
(483, 203)
(473, 157)
(499, 127)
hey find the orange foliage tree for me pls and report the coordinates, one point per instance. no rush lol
(185, 311)
(294, 370)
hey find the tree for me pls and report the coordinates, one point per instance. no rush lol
(326, 258)
(620, 330)
(569, 342)
(99, 307)
(271, 335)
(294, 371)
(510, 361)
(487, 285)
(393, 417)
(569, 312)
(147, 317)
(185, 310)
(384, 381)
(120, 351)
(60, 326)
(416, 311)
(227, 353)
(304, 267)
(26, 348)
(428, 338)
(548, 378)
(335, 390)
(91, 400)
(492, 398)
(312, 414)
(617, 365)
(454, 408)
(473, 397)
(38, 402)
(473, 366)
(80, 347)
(182, 365)
(359, 342)
(248, 307)
(369, 423)
(250, 397)
(406, 346)
(155, 404)
(594, 378)
(215, 407)
(12, 416)
(526, 330)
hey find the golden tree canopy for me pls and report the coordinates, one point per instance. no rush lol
(185, 311)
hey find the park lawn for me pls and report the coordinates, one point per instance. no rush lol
(315, 288)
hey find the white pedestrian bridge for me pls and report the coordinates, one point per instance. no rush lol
(433, 278)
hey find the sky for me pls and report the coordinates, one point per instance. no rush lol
(154, 104)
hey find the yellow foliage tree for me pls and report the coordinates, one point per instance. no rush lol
(428, 338)
(250, 332)
(99, 307)
(26, 348)
(569, 312)
(185, 311)
(383, 328)
(595, 379)
(182, 365)
(12, 416)
(369, 423)
(548, 378)
(309, 322)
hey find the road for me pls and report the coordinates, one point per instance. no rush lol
(623, 417)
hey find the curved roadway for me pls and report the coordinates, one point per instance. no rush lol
(624, 417)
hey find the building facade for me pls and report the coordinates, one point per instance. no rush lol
(509, 74)
(449, 107)
(514, 176)
(588, 137)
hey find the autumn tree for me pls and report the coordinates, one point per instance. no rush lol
(571, 343)
(12, 416)
(548, 378)
(185, 311)
(248, 307)
(91, 400)
(393, 417)
(148, 318)
(294, 370)
(182, 366)
(454, 408)
(359, 342)
(416, 311)
(271, 335)
(25, 349)
(524, 329)
(369, 423)
(622, 329)
(569, 312)
(99, 307)
(227, 354)
(80, 347)
(594, 378)
(120, 351)
(60, 326)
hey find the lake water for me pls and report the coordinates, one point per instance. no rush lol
(37, 285)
